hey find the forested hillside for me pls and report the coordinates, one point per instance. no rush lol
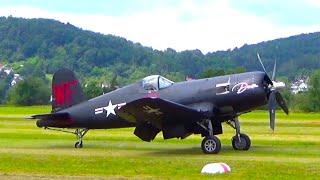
(44, 45)
(36, 48)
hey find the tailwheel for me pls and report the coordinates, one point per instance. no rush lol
(241, 142)
(78, 144)
(80, 134)
(211, 145)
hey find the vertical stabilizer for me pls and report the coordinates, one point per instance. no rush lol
(66, 90)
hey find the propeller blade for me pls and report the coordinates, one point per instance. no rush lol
(272, 109)
(261, 63)
(264, 69)
(281, 102)
(273, 78)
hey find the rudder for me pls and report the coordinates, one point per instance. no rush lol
(66, 90)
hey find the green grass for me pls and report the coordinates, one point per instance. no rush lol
(291, 152)
(22, 111)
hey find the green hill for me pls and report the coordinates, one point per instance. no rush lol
(43, 46)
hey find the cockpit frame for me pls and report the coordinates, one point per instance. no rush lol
(155, 83)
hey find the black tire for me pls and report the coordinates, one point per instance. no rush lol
(245, 143)
(211, 145)
(78, 144)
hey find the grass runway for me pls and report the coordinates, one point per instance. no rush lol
(291, 152)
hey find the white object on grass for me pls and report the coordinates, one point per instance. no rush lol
(214, 168)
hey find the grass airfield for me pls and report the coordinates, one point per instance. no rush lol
(26, 151)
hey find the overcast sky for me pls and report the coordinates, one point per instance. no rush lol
(208, 25)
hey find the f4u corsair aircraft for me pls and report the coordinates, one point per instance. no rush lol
(157, 104)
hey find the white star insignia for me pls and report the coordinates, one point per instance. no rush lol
(110, 108)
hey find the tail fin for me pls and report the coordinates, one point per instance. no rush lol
(66, 90)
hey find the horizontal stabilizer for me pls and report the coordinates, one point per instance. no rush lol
(51, 116)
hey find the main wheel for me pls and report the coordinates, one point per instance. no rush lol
(244, 143)
(211, 145)
(78, 144)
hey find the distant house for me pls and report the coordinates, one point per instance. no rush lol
(6, 69)
(300, 85)
(1, 70)
(16, 79)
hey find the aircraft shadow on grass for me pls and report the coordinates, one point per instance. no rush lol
(195, 151)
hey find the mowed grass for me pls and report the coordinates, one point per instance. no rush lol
(291, 152)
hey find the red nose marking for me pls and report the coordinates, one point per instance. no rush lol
(63, 92)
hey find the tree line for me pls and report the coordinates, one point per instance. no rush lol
(34, 90)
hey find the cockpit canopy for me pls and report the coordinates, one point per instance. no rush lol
(155, 83)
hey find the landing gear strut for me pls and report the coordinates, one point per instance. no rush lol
(80, 133)
(239, 141)
(210, 144)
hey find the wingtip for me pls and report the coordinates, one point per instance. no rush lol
(30, 117)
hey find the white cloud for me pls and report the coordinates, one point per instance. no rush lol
(313, 3)
(209, 26)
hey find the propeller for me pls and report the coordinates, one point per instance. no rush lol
(264, 69)
(274, 96)
(272, 104)
(273, 78)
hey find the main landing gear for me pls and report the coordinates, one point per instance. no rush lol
(210, 144)
(80, 133)
(239, 141)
